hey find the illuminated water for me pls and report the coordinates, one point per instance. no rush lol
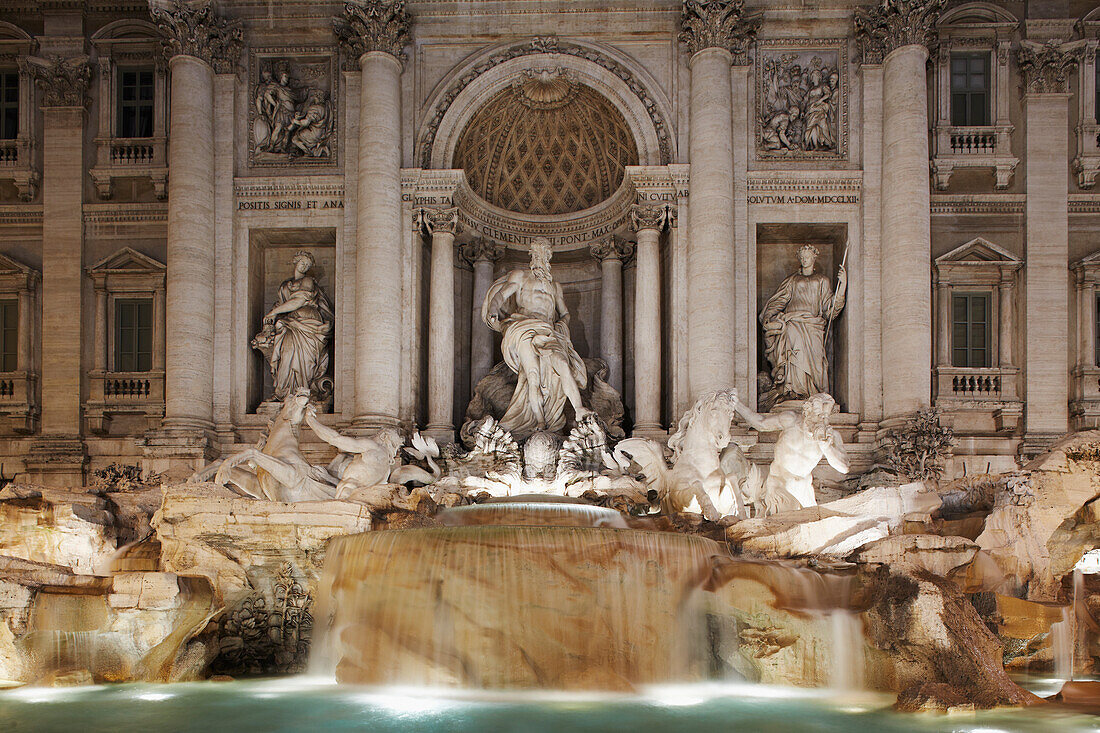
(297, 705)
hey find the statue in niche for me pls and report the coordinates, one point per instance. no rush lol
(296, 334)
(528, 309)
(805, 438)
(795, 319)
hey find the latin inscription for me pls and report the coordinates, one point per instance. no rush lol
(803, 199)
(289, 204)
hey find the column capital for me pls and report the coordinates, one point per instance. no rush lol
(1046, 66)
(891, 24)
(437, 220)
(194, 29)
(719, 24)
(63, 81)
(374, 25)
(481, 250)
(643, 216)
(612, 249)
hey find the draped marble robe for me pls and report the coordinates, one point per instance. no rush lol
(299, 358)
(794, 320)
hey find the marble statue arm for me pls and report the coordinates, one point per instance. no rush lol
(293, 303)
(562, 324)
(835, 453)
(501, 290)
(763, 423)
(335, 439)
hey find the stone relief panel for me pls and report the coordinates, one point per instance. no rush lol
(802, 99)
(292, 106)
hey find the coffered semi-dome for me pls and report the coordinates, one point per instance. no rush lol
(546, 145)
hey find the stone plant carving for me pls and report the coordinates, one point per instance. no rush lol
(919, 449)
(1047, 67)
(891, 24)
(268, 633)
(800, 102)
(696, 479)
(63, 81)
(795, 319)
(719, 24)
(194, 29)
(805, 438)
(528, 308)
(296, 334)
(292, 116)
(374, 25)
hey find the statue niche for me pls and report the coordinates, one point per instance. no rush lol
(296, 335)
(543, 384)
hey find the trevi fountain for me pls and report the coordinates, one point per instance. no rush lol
(556, 525)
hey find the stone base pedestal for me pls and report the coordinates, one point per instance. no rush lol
(176, 451)
(653, 433)
(443, 436)
(56, 461)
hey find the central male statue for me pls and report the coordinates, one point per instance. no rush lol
(528, 308)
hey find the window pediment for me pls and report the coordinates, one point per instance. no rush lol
(15, 276)
(128, 269)
(978, 261)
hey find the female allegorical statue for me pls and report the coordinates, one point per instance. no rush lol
(296, 334)
(794, 320)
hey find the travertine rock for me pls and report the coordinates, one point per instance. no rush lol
(56, 526)
(936, 554)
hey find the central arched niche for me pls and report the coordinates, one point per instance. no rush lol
(546, 145)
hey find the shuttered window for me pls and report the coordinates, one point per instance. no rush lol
(9, 105)
(9, 335)
(135, 103)
(971, 324)
(134, 335)
(970, 89)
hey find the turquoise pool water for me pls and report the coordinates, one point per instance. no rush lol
(274, 706)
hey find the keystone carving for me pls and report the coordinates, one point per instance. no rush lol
(194, 29)
(891, 24)
(63, 81)
(1046, 67)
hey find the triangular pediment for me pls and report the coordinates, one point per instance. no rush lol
(1093, 260)
(8, 266)
(127, 260)
(978, 251)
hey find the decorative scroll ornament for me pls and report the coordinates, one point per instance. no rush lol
(194, 29)
(612, 248)
(719, 24)
(440, 220)
(63, 81)
(1046, 67)
(481, 249)
(374, 25)
(891, 24)
(648, 217)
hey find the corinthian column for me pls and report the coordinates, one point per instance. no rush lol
(717, 34)
(898, 32)
(198, 43)
(375, 32)
(648, 221)
(443, 225)
(612, 253)
(482, 254)
(1046, 72)
(57, 457)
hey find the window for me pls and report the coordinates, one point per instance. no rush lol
(970, 329)
(135, 103)
(9, 105)
(9, 335)
(970, 89)
(134, 335)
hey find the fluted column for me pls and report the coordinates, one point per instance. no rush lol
(199, 43)
(442, 225)
(482, 255)
(648, 221)
(376, 32)
(612, 254)
(717, 33)
(899, 31)
(1046, 70)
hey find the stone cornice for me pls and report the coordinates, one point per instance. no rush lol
(1002, 204)
(891, 24)
(1046, 67)
(374, 25)
(719, 24)
(196, 30)
(63, 81)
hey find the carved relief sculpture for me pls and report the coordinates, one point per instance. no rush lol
(801, 97)
(292, 117)
(296, 334)
(528, 308)
(795, 319)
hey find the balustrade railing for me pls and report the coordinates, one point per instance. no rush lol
(132, 152)
(9, 153)
(973, 141)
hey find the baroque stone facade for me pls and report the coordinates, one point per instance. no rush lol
(166, 160)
